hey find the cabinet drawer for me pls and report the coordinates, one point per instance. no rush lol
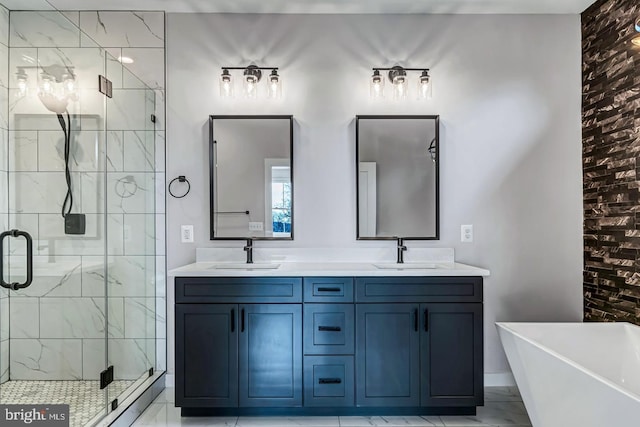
(419, 289)
(328, 329)
(238, 289)
(328, 381)
(328, 289)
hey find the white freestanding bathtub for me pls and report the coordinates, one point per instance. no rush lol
(576, 374)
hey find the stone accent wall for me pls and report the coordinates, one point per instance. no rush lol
(611, 161)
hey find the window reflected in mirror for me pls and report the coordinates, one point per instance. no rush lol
(251, 177)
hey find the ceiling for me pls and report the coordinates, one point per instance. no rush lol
(312, 6)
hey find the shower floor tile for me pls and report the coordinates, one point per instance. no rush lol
(85, 399)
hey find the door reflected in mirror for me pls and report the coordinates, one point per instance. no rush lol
(251, 177)
(397, 177)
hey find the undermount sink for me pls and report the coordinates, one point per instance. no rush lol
(244, 266)
(406, 266)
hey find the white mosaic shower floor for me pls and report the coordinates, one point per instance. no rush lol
(85, 399)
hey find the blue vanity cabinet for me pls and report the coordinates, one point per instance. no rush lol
(451, 355)
(270, 355)
(329, 342)
(207, 356)
(387, 355)
(238, 342)
(419, 342)
(329, 345)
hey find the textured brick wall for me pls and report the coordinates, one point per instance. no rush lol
(611, 161)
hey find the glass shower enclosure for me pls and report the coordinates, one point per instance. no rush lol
(77, 221)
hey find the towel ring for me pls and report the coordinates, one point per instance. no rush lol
(180, 178)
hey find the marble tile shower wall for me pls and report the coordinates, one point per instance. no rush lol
(4, 138)
(611, 167)
(58, 323)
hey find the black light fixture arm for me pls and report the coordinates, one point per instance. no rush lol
(398, 68)
(255, 67)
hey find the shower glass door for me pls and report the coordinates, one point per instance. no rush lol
(55, 316)
(130, 206)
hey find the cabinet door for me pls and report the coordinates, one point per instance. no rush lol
(271, 355)
(206, 355)
(387, 355)
(451, 355)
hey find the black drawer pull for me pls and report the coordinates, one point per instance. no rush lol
(242, 321)
(329, 328)
(330, 381)
(415, 320)
(233, 320)
(329, 289)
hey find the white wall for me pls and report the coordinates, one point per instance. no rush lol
(507, 89)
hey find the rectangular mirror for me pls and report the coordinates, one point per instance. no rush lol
(251, 177)
(397, 177)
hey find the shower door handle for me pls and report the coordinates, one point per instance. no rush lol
(16, 285)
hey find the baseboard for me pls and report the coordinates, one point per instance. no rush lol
(501, 379)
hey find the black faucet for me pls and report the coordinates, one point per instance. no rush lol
(249, 250)
(401, 249)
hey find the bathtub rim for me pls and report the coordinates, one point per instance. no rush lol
(506, 327)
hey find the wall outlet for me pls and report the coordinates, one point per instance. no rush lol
(466, 233)
(186, 233)
(256, 226)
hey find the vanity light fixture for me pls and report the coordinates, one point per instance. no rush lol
(251, 77)
(57, 85)
(636, 39)
(399, 82)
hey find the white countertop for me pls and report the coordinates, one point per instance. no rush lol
(325, 269)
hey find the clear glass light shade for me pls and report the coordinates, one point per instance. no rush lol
(226, 84)
(275, 85)
(251, 87)
(400, 87)
(69, 84)
(23, 84)
(376, 85)
(47, 85)
(425, 87)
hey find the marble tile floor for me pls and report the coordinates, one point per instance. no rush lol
(503, 408)
(85, 399)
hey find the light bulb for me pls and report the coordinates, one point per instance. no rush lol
(250, 87)
(69, 84)
(252, 75)
(226, 84)
(23, 88)
(398, 77)
(275, 85)
(636, 41)
(46, 85)
(424, 85)
(376, 87)
(400, 87)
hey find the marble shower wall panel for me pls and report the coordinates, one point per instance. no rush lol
(124, 29)
(611, 146)
(42, 29)
(4, 26)
(46, 359)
